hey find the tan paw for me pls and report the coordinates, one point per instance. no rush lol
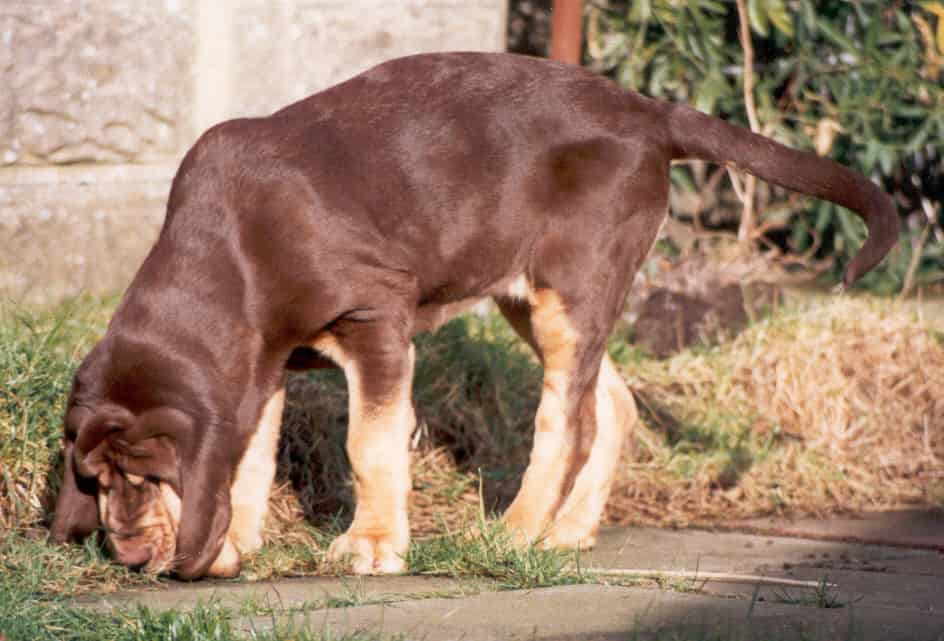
(246, 542)
(368, 554)
(227, 564)
(523, 537)
(563, 535)
(523, 528)
(519, 536)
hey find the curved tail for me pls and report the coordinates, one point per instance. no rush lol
(696, 135)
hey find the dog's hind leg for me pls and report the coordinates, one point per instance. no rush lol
(579, 429)
(585, 407)
(377, 358)
(577, 521)
(565, 425)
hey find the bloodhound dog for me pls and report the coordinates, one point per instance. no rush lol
(331, 232)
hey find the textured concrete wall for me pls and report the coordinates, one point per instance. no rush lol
(99, 99)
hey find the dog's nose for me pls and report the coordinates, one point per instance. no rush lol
(135, 558)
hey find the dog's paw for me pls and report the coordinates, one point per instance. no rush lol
(368, 554)
(523, 527)
(570, 536)
(227, 563)
(246, 542)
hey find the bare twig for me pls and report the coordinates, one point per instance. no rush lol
(746, 230)
(916, 254)
(930, 212)
(736, 182)
(720, 577)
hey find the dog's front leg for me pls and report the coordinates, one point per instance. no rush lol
(254, 475)
(378, 365)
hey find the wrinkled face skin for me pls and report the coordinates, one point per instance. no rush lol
(123, 475)
(141, 518)
(139, 512)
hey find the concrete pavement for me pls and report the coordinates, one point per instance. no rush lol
(881, 592)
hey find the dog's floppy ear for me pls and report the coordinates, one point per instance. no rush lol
(149, 447)
(77, 506)
(143, 445)
(76, 513)
(205, 516)
(97, 441)
(92, 435)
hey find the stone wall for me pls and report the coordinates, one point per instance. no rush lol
(99, 99)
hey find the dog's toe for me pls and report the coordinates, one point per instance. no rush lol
(367, 554)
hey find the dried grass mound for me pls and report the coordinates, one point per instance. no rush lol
(823, 409)
(853, 380)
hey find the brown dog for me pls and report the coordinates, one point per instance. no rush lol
(343, 224)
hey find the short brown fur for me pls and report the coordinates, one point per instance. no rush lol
(368, 212)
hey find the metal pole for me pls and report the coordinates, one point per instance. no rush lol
(566, 30)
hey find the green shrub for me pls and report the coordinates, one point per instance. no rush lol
(860, 81)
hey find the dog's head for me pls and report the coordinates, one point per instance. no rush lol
(149, 480)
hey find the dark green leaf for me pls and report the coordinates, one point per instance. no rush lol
(808, 11)
(833, 34)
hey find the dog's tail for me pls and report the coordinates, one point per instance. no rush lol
(696, 135)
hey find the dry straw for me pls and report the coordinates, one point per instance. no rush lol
(838, 408)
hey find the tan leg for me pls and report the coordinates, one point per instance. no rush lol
(530, 514)
(574, 452)
(253, 480)
(577, 521)
(379, 431)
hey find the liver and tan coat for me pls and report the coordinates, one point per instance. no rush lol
(338, 227)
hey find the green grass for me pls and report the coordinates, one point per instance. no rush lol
(36, 567)
(487, 550)
(38, 354)
(29, 619)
